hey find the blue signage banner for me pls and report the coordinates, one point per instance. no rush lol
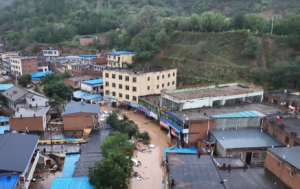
(175, 116)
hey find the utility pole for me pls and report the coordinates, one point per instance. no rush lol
(272, 25)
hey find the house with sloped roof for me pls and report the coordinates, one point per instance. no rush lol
(18, 159)
(80, 115)
(29, 109)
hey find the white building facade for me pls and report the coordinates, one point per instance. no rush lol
(50, 54)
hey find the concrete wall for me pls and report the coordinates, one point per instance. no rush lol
(282, 169)
(78, 121)
(119, 61)
(89, 88)
(37, 100)
(143, 81)
(32, 124)
(270, 127)
(201, 126)
(6, 54)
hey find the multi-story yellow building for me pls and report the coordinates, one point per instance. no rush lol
(119, 59)
(128, 85)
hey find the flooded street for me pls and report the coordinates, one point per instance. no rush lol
(46, 183)
(151, 162)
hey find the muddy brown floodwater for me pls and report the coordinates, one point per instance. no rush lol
(46, 183)
(151, 162)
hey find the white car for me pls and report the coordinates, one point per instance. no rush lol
(136, 162)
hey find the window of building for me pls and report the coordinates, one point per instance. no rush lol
(174, 74)
(291, 173)
(113, 76)
(32, 99)
(163, 85)
(255, 155)
(106, 75)
(120, 86)
(157, 77)
(148, 88)
(275, 133)
(113, 85)
(157, 86)
(148, 78)
(134, 79)
(168, 83)
(106, 84)
(173, 82)
(120, 95)
(287, 140)
(266, 128)
(127, 97)
(296, 144)
(134, 89)
(127, 87)
(278, 163)
(169, 75)
(263, 155)
(113, 93)
(120, 77)
(126, 78)
(163, 76)
(107, 92)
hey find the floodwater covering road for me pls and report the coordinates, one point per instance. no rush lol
(151, 162)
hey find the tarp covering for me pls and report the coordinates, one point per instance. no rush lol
(92, 97)
(8, 181)
(240, 114)
(4, 128)
(70, 139)
(40, 74)
(191, 150)
(70, 164)
(71, 183)
(94, 81)
(4, 119)
(88, 56)
(4, 87)
(80, 94)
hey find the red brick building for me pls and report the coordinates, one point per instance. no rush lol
(24, 65)
(87, 39)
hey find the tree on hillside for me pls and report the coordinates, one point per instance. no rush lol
(238, 20)
(50, 79)
(114, 171)
(117, 141)
(161, 38)
(66, 74)
(24, 80)
(147, 16)
(210, 21)
(255, 22)
(252, 47)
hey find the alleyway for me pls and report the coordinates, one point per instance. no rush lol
(151, 162)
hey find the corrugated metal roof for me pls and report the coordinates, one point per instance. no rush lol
(92, 97)
(240, 114)
(8, 181)
(191, 150)
(245, 138)
(70, 164)
(41, 74)
(75, 107)
(94, 81)
(4, 87)
(292, 155)
(120, 52)
(16, 151)
(71, 183)
(80, 94)
(4, 128)
(88, 56)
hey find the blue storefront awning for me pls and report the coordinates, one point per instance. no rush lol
(174, 126)
(4, 119)
(4, 128)
(134, 105)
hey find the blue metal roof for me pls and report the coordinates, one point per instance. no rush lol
(36, 79)
(4, 87)
(239, 114)
(4, 119)
(120, 52)
(92, 97)
(71, 183)
(88, 56)
(4, 128)
(94, 81)
(8, 181)
(40, 74)
(191, 150)
(70, 164)
(174, 126)
(80, 94)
